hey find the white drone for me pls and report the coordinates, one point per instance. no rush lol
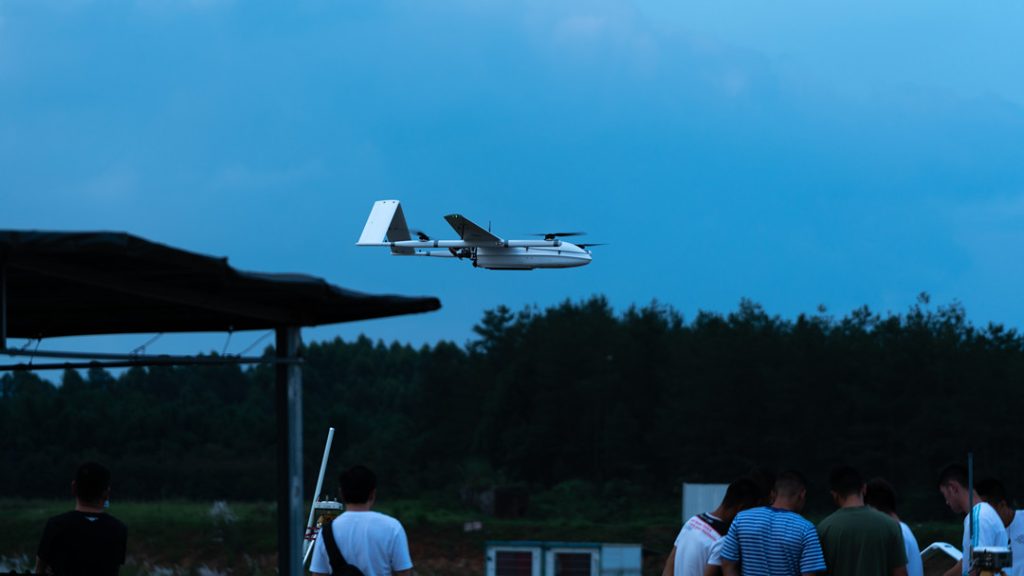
(386, 227)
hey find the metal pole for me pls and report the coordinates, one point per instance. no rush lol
(288, 397)
(228, 359)
(966, 564)
(29, 367)
(3, 306)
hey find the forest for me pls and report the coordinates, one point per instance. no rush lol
(575, 399)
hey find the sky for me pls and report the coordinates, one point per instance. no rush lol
(797, 153)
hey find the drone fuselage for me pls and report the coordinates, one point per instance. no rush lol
(566, 255)
(386, 227)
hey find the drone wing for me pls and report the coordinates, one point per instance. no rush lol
(469, 231)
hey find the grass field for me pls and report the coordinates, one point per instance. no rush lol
(171, 538)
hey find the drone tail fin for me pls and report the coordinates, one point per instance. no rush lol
(386, 224)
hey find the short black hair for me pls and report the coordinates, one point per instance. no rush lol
(953, 473)
(790, 483)
(743, 493)
(356, 484)
(765, 479)
(881, 496)
(91, 480)
(845, 480)
(991, 491)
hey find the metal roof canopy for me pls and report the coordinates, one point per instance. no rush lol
(86, 283)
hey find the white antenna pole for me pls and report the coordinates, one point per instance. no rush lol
(308, 544)
(966, 564)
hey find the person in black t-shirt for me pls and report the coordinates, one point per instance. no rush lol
(86, 541)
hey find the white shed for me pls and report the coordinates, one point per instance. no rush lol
(699, 498)
(537, 558)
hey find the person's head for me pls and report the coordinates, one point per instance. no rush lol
(765, 480)
(845, 483)
(881, 496)
(790, 491)
(953, 486)
(741, 495)
(358, 485)
(91, 485)
(993, 492)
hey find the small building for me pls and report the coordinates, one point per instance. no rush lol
(552, 558)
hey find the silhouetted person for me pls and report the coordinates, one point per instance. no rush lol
(858, 540)
(86, 541)
(988, 526)
(993, 492)
(881, 496)
(700, 539)
(774, 540)
(372, 542)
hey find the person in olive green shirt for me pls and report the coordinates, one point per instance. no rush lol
(858, 540)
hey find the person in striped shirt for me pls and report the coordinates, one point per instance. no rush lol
(774, 540)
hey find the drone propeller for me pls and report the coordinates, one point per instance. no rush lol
(421, 235)
(554, 235)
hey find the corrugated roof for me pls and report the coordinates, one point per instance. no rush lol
(77, 283)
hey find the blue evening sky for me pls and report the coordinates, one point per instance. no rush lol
(795, 152)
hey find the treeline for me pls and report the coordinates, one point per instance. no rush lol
(575, 396)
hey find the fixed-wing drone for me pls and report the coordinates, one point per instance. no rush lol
(386, 227)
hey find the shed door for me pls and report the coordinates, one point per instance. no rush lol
(513, 562)
(573, 562)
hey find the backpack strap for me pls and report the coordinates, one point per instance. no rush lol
(338, 563)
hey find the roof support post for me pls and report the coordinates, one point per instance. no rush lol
(288, 398)
(3, 306)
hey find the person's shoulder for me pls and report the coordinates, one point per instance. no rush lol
(797, 521)
(690, 524)
(63, 519)
(113, 521)
(828, 521)
(892, 526)
(1017, 525)
(64, 516)
(986, 509)
(988, 513)
(381, 519)
(881, 518)
(752, 513)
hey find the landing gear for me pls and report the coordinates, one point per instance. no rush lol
(461, 253)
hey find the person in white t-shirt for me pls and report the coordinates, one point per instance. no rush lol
(696, 548)
(881, 496)
(372, 542)
(993, 492)
(987, 528)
